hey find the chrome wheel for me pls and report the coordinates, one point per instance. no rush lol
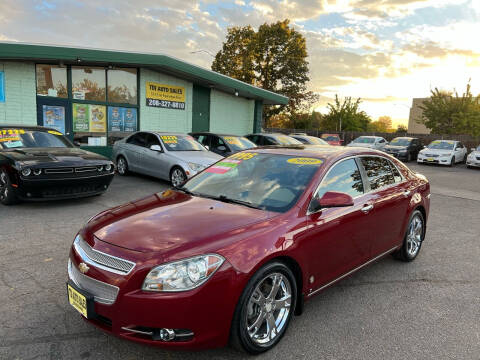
(177, 178)
(122, 166)
(3, 185)
(414, 235)
(268, 309)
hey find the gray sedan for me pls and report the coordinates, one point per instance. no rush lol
(168, 156)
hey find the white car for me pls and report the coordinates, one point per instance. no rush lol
(372, 142)
(443, 152)
(473, 159)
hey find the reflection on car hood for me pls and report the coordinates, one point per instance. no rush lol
(51, 156)
(205, 158)
(435, 151)
(157, 223)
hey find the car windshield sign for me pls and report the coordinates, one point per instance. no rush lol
(14, 138)
(266, 181)
(441, 145)
(364, 140)
(400, 142)
(239, 143)
(181, 143)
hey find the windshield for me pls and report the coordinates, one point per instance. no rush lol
(286, 140)
(478, 148)
(310, 140)
(22, 138)
(441, 145)
(181, 143)
(239, 143)
(400, 142)
(330, 137)
(364, 140)
(267, 181)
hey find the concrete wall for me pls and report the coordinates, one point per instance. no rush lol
(152, 118)
(231, 114)
(416, 113)
(20, 94)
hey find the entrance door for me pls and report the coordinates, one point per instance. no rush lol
(201, 109)
(56, 114)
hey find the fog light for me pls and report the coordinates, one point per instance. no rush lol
(37, 171)
(26, 172)
(167, 334)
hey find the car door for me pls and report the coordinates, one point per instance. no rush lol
(133, 150)
(152, 160)
(460, 152)
(338, 238)
(390, 197)
(381, 144)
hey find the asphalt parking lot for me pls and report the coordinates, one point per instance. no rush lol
(428, 309)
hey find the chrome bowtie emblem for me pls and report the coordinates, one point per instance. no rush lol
(83, 268)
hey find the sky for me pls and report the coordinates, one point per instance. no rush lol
(383, 51)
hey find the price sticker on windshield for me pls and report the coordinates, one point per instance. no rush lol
(169, 139)
(232, 140)
(12, 132)
(243, 156)
(223, 166)
(305, 161)
(53, 132)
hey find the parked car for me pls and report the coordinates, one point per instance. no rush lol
(261, 139)
(168, 156)
(332, 139)
(236, 251)
(473, 159)
(443, 152)
(223, 144)
(404, 148)
(312, 140)
(371, 142)
(39, 163)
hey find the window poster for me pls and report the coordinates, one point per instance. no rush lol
(54, 117)
(98, 118)
(130, 119)
(122, 119)
(81, 118)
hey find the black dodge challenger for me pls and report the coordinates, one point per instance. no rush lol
(39, 163)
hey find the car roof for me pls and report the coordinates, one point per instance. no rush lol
(269, 134)
(217, 134)
(370, 136)
(26, 127)
(165, 133)
(405, 137)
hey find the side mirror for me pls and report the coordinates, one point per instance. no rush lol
(156, 148)
(207, 147)
(332, 199)
(222, 148)
(77, 143)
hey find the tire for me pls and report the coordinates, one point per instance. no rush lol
(259, 306)
(122, 166)
(177, 176)
(7, 192)
(464, 161)
(409, 157)
(452, 161)
(412, 242)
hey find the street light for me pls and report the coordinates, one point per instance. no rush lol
(202, 50)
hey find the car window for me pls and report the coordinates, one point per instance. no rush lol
(382, 141)
(181, 143)
(216, 142)
(301, 139)
(202, 139)
(400, 142)
(396, 174)
(138, 139)
(364, 140)
(343, 177)
(152, 139)
(253, 138)
(238, 143)
(269, 141)
(379, 172)
(441, 145)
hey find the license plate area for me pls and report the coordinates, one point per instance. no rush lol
(81, 301)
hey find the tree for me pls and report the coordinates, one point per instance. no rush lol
(451, 113)
(401, 129)
(386, 122)
(345, 116)
(273, 58)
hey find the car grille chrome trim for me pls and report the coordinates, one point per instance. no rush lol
(103, 293)
(102, 260)
(352, 271)
(432, 155)
(59, 171)
(85, 169)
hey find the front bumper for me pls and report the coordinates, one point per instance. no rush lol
(205, 313)
(32, 189)
(475, 162)
(398, 155)
(441, 160)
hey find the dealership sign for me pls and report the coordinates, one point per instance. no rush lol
(165, 96)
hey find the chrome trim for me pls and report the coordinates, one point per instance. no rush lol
(86, 169)
(149, 333)
(98, 289)
(184, 334)
(100, 259)
(352, 271)
(59, 171)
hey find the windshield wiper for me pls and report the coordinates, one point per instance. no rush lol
(226, 199)
(184, 190)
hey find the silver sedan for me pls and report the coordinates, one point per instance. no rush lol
(169, 156)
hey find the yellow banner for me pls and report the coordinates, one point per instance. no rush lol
(157, 91)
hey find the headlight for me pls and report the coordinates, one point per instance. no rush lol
(108, 167)
(182, 275)
(26, 172)
(196, 167)
(37, 172)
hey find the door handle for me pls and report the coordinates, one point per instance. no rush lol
(367, 208)
(406, 193)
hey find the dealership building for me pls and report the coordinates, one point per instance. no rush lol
(96, 97)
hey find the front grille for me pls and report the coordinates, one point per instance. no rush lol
(431, 155)
(102, 260)
(103, 293)
(86, 169)
(72, 190)
(59, 171)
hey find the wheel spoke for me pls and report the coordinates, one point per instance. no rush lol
(252, 329)
(283, 303)
(276, 281)
(271, 327)
(258, 298)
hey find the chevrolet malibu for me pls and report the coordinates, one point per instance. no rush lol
(235, 252)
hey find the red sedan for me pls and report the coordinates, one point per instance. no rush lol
(235, 252)
(332, 139)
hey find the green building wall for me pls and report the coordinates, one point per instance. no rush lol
(20, 94)
(231, 114)
(172, 120)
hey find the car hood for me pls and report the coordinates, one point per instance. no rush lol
(435, 151)
(205, 158)
(52, 156)
(371, 146)
(158, 223)
(396, 147)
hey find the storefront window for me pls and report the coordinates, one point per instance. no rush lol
(51, 80)
(122, 86)
(88, 83)
(90, 124)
